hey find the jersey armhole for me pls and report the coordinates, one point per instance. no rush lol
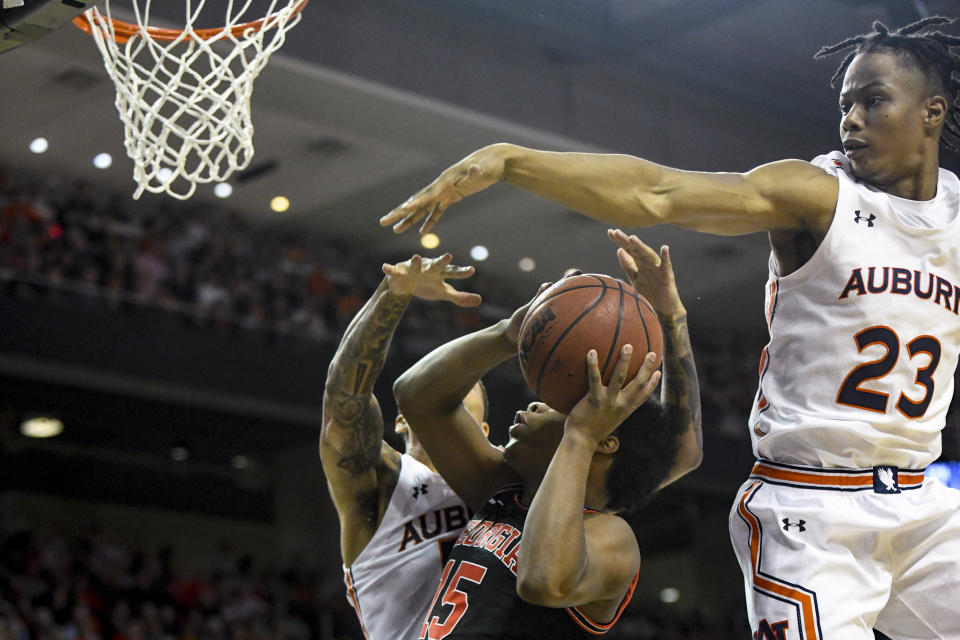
(599, 628)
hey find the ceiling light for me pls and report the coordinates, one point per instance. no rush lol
(39, 145)
(527, 264)
(429, 241)
(223, 190)
(280, 204)
(669, 595)
(479, 253)
(179, 453)
(102, 160)
(165, 175)
(41, 427)
(240, 461)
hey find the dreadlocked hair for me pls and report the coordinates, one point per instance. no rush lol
(934, 53)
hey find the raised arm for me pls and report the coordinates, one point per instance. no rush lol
(652, 275)
(430, 395)
(629, 191)
(571, 558)
(354, 456)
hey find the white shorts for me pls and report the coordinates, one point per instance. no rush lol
(833, 554)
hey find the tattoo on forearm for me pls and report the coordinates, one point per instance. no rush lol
(349, 405)
(361, 448)
(681, 389)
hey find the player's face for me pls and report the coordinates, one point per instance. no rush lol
(882, 106)
(534, 436)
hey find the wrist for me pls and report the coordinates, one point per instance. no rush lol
(675, 316)
(578, 439)
(501, 332)
(509, 155)
(399, 296)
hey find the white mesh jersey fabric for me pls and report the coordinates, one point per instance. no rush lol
(863, 344)
(392, 582)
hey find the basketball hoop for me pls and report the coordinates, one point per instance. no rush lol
(184, 94)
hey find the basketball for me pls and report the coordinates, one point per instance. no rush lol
(589, 311)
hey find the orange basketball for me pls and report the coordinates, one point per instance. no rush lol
(589, 311)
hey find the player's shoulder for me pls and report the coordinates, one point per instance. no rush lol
(824, 168)
(832, 163)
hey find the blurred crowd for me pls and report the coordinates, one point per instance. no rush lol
(89, 588)
(209, 266)
(93, 588)
(213, 268)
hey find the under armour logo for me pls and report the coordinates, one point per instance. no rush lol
(419, 490)
(869, 218)
(885, 480)
(799, 524)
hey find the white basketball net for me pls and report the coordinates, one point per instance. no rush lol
(185, 103)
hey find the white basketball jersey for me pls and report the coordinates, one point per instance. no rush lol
(864, 336)
(392, 582)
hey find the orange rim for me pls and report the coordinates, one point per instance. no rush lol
(123, 31)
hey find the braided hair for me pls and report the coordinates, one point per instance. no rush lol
(936, 55)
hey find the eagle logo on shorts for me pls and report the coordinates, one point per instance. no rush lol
(885, 480)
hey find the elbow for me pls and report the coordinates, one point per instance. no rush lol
(543, 591)
(695, 461)
(689, 459)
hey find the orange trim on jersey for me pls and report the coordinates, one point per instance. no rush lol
(808, 616)
(773, 302)
(599, 628)
(354, 600)
(827, 478)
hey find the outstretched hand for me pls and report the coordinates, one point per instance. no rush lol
(474, 173)
(426, 278)
(650, 273)
(604, 408)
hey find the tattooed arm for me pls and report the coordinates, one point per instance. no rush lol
(680, 395)
(652, 275)
(361, 468)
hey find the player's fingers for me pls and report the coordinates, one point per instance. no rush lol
(627, 263)
(620, 370)
(619, 238)
(645, 391)
(642, 251)
(594, 380)
(572, 271)
(440, 263)
(461, 298)
(408, 208)
(407, 221)
(453, 272)
(665, 258)
(400, 212)
(646, 371)
(616, 235)
(416, 263)
(432, 217)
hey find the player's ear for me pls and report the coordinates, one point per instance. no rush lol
(400, 425)
(935, 111)
(609, 445)
(485, 428)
